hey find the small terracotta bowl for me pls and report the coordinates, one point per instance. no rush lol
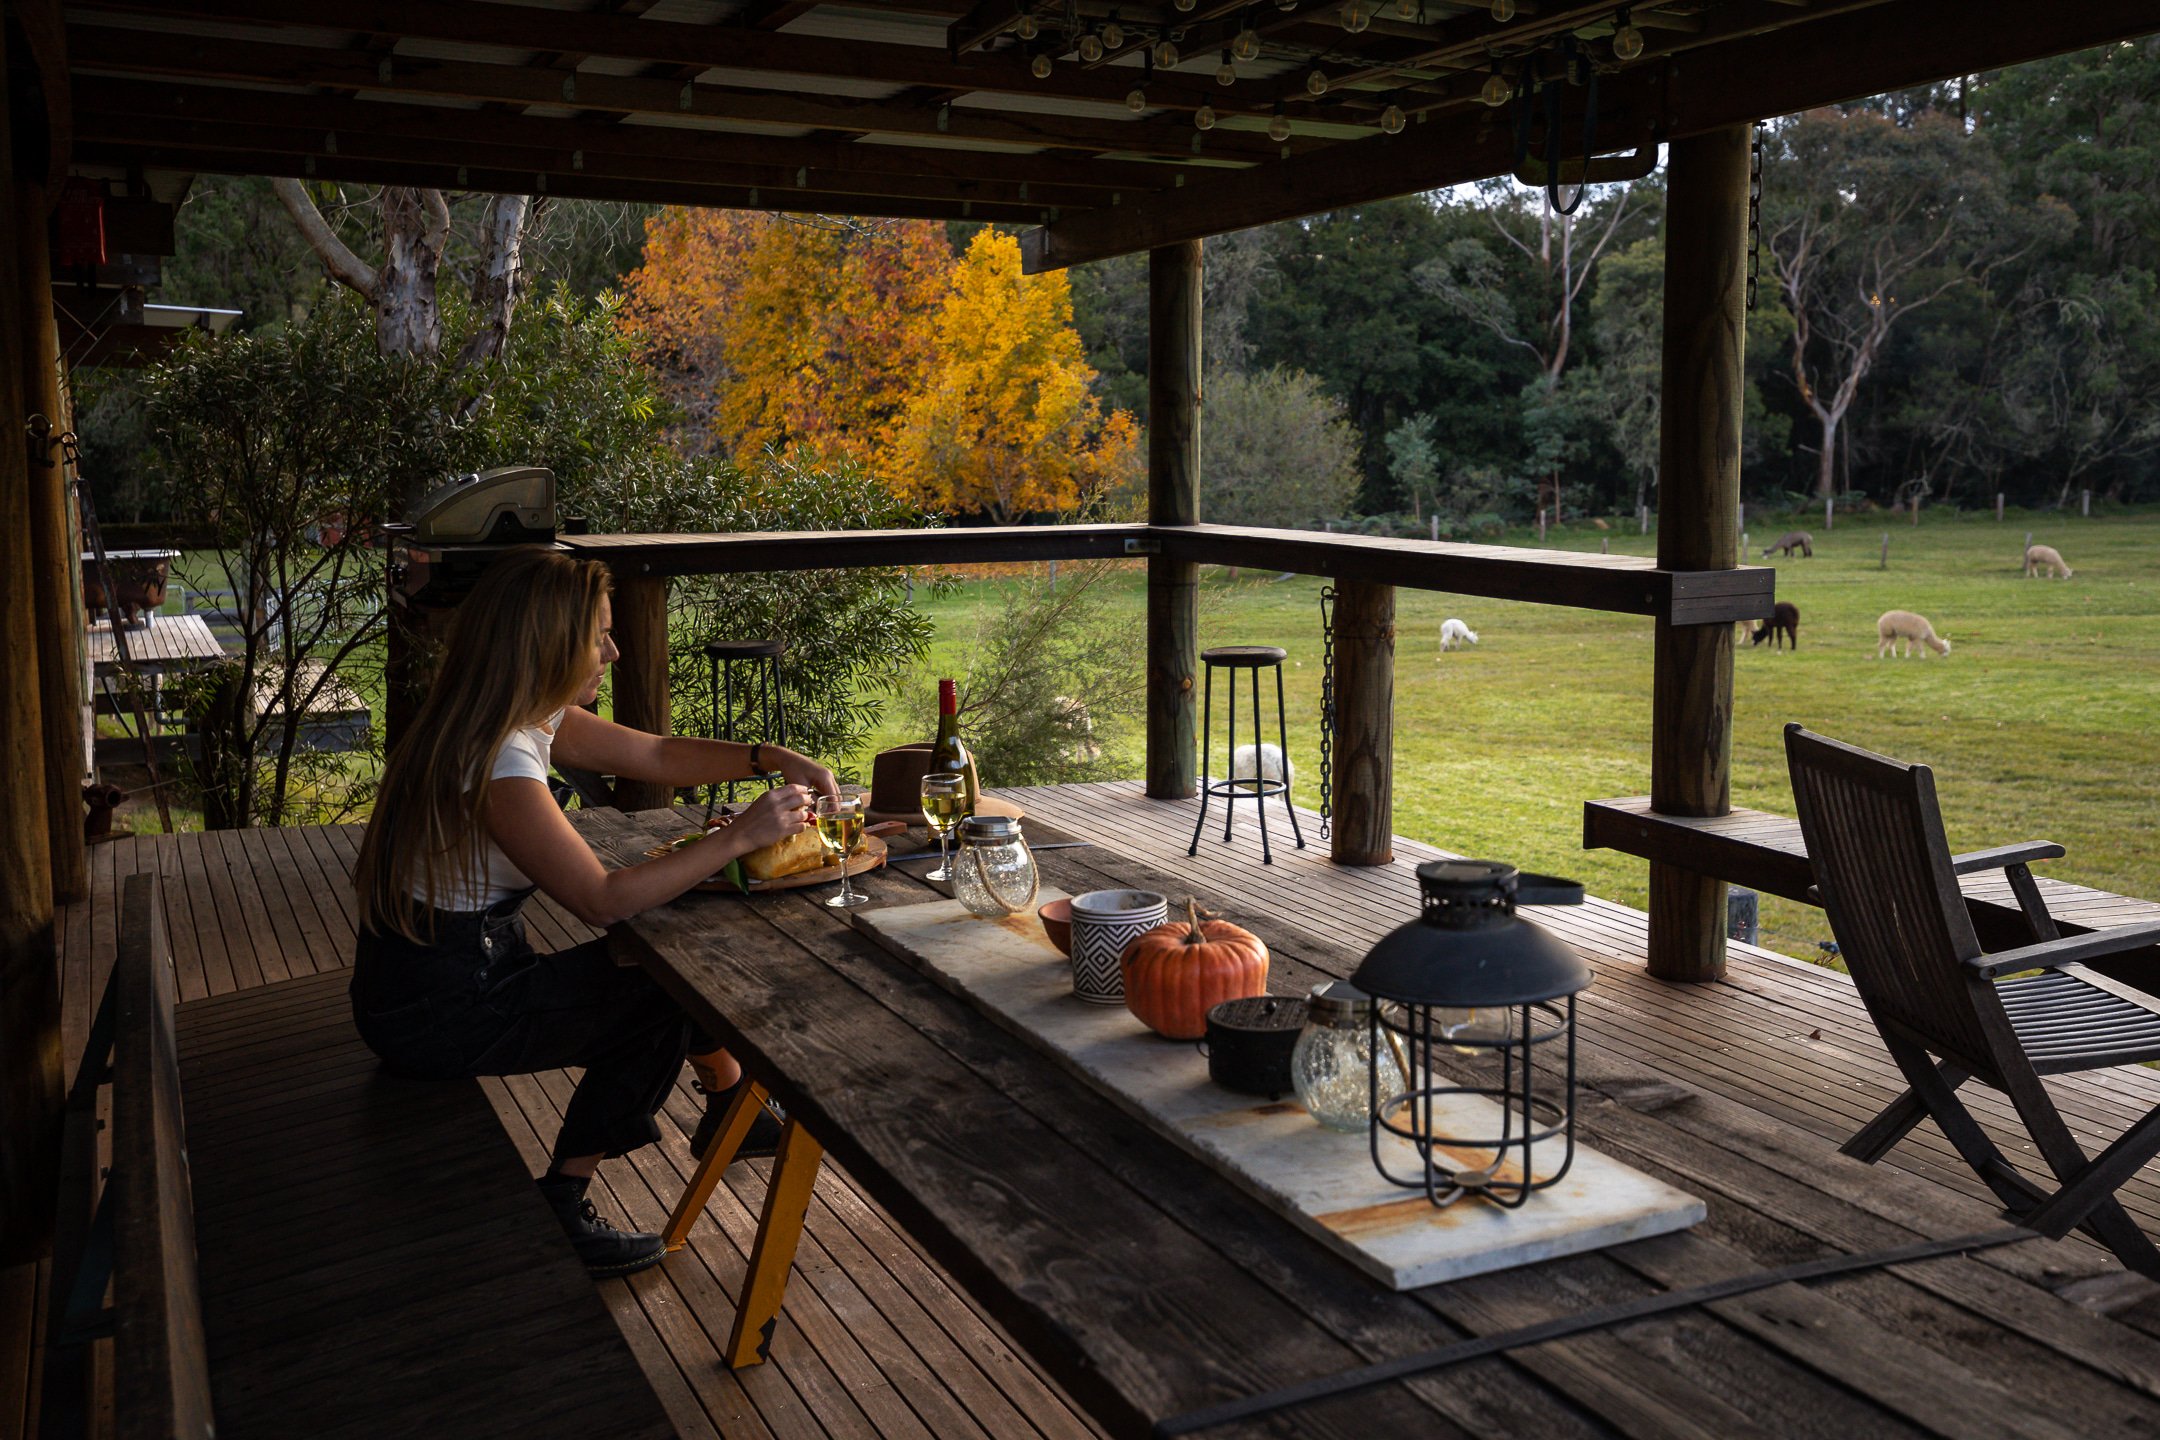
(1057, 924)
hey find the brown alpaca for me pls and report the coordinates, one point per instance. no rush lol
(1783, 625)
(1790, 541)
(2045, 557)
(1914, 630)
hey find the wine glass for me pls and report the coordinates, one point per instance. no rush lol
(839, 824)
(944, 806)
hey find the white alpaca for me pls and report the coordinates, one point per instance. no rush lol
(1273, 766)
(1454, 633)
(1896, 625)
(2048, 558)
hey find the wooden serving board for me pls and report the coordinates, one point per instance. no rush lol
(867, 858)
(1321, 1181)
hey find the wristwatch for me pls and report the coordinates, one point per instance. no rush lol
(756, 767)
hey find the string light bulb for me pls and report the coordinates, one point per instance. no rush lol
(1204, 117)
(1026, 28)
(1278, 128)
(1497, 91)
(1392, 119)
(1090, 49)
(1315, 83)
(1166, 55)
(1286, 6)
(1040, 67)
(1503, 10)
(1626, 40)
(1226, 73)
(1356, 15)
(1136, 100)
(1113, 36)
(1408, 9)
(1246, 46)
(1185, 5)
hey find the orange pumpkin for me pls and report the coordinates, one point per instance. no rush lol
(1176, 973)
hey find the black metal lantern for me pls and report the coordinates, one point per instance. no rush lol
(1468, 975)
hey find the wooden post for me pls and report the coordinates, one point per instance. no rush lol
(53, 566)
(1173, 592)
(1829, 513)
(1885, 551)
(641, 678)
(30, 1073)
(1998, 507)
(1691, 703)
(2085, 503)
(1364, 822)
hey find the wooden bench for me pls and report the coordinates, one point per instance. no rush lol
(1766, 852)
(333, 1251)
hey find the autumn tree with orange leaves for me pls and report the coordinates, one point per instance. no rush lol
(958, 381)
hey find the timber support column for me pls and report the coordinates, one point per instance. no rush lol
(1363, 828)
(1173, 591)
(52, 554)
(641, 677)
(1699, 476)
(30, 1066)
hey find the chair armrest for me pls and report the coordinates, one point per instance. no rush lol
(2003, 856)
(2089, 946)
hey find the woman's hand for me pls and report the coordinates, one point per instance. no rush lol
(802, 770)
(778, 813)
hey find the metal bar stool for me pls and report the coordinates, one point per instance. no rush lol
(763, 715)
(1255, 787)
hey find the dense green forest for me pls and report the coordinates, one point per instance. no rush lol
(1956, 297)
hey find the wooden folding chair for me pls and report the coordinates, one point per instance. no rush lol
(1887, 878)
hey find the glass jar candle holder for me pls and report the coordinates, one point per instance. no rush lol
(1332, 1065)
(993, 873)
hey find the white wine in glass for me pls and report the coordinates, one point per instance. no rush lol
(944, 806)
(839, 826)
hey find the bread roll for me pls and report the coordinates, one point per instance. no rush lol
(791, 856)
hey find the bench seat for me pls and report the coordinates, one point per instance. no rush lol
(374, 1257)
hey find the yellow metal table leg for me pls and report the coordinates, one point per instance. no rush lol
(749, 1100)
(787, 1197)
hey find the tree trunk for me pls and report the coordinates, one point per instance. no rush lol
(1826, 460)
(502, 238)
(416, 225)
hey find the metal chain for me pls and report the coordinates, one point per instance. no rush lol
(1754, 214)
(1327, 708)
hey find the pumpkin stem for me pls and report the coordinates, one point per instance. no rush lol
(1194, 936)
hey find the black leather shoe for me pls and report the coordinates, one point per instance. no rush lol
(764, 1136)
(606, 1251)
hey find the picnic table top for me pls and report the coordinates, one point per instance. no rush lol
(1149, 1286)
(167, 642)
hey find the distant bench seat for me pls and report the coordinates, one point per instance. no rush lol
(371, 1254)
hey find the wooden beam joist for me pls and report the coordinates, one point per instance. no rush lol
(577, 185)
(629, 37)
(179, 57)
(639, 555)
(1781, 72)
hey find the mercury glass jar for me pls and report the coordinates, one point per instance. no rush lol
(993, 872)
(1332, 1065)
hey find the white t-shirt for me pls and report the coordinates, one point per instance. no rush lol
(525, 755)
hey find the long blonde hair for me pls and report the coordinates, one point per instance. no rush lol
(521, 649)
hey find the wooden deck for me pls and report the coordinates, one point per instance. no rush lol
(168, 642)
(877, 1341)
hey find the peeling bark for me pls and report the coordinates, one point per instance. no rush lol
(416, 226)
(495, 287)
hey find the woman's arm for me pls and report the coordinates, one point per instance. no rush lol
(533, 831)
(591, 743)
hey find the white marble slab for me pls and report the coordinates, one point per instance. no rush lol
(1322, 1181)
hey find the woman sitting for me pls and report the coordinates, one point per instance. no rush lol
(445, 984)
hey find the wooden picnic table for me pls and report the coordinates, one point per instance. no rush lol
(1149, 1286)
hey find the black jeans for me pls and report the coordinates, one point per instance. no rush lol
(479, 1000)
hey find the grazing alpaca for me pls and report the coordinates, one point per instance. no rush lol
(1896, 625)
(1272, 764)
(1790, 541)
(1454, 633)
(1783, 625)
(2045, 557)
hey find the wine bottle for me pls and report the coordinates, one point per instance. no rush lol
(950, 755)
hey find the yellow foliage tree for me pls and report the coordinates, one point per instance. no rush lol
(1004, 422)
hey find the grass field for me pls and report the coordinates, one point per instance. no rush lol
(2043, 723)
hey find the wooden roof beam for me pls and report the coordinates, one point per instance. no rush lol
(1847, 56)
(99, 48)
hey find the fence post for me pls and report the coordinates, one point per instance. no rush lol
(2085, 503)
(1885, 551)
(1436, 526)
(1829, 512)
(1541, 525)
(1998, 507)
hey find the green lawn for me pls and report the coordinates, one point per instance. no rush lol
(2044, 722)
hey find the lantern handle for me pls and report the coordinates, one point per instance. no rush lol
(1547, 890)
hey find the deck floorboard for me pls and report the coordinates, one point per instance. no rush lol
(1727, 1089)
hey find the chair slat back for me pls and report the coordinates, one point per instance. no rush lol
(161, 1379)
(1875, 838)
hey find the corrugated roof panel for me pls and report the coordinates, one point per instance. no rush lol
(707, 125)
(983, 100)
(948, 142)
(872, 27)
(835, 86)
